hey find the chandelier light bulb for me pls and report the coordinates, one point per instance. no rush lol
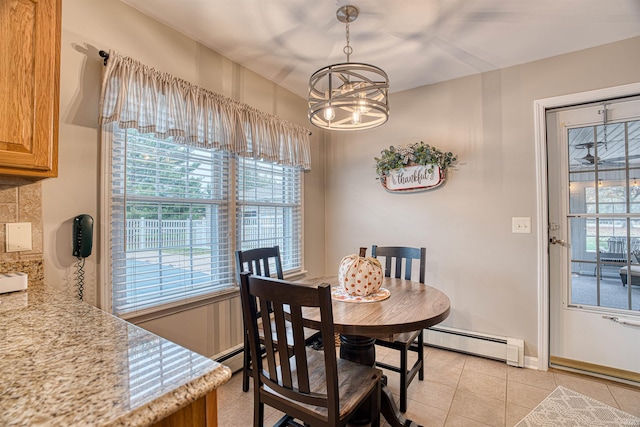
(329, 114)
(363, 105)
(355, 118)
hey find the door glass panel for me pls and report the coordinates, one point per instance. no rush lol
(633, 136)
(582, 192)
(599, 278)
(584, 287)
(604, 222)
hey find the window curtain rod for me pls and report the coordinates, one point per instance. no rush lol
(137, 96)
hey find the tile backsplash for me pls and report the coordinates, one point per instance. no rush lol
(21, 201)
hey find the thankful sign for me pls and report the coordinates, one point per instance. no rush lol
(414, 167)
(414, 178)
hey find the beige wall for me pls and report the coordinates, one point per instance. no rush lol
(92, 25)
(489, 273)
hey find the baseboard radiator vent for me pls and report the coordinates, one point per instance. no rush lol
(510, 350)
(233, 358)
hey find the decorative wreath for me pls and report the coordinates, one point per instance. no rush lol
(415, 154)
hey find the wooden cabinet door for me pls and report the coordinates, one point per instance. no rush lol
(29, 87)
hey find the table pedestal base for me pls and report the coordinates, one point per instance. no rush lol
(362, 350)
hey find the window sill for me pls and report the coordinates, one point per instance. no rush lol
(156, 313)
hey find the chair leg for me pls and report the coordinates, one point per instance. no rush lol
(245, 366)
(421, 355)
(403, 379)
(376, 405)
(258, 412)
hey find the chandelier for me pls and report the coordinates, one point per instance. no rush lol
(349, 95)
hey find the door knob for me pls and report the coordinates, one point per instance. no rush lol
(556, 241)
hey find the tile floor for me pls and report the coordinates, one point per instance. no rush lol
(458, 390)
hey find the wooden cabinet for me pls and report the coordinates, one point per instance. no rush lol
(29, 87)
(201, 413)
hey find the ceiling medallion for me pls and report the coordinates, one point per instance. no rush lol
(349, 95)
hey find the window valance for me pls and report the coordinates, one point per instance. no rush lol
(140, 97)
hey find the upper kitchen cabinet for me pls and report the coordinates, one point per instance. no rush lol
(29, 87)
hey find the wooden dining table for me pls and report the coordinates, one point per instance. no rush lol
(411, 306)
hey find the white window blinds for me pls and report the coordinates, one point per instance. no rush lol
(268, 209)
(170, 222)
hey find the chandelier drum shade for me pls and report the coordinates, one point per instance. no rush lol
(349, 95)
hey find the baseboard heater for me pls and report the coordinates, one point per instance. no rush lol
(231, 358)
(510, 350)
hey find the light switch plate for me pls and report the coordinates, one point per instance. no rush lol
(18, 236)
(521, 225)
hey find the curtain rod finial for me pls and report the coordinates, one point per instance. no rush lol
(105, 55)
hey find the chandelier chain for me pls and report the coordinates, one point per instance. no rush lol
(605, 120)
(348, 50)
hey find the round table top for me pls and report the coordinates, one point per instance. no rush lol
(410, 307)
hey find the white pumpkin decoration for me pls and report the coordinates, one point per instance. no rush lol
(360, 275)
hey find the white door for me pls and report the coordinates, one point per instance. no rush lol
(594, 229)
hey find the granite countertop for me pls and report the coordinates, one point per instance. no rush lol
(65, 362)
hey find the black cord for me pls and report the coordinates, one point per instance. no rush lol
(80, 277)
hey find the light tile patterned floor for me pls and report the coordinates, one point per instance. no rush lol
(458, 390)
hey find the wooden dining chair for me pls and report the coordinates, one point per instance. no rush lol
(396, 256)
(308, 385)
(260, 262)
(256, 261)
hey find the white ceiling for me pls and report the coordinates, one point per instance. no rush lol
(417, 42)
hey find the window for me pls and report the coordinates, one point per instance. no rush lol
(172, 149)
(268, 209)
(172, 218)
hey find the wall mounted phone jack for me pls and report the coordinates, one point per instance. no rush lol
(82, 244)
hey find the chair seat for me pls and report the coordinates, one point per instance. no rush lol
(354, 382)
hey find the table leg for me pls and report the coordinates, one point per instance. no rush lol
(358, 349)
(390, 411)
(362, 350)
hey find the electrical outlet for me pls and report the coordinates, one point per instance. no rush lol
(521, 225)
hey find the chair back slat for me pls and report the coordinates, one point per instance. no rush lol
(398, 254)
(288, 373)
(300, 349)
(270, 352)
(282, 345)
(407, 268)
